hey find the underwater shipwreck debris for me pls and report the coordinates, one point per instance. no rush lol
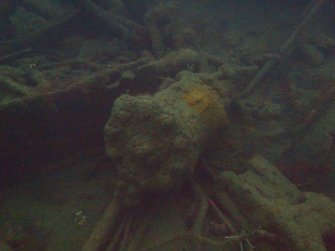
(264, 211)
(127, 29)
(268, 199)
(312, 8)
(30, 39)
(34, 96)
(155, 142)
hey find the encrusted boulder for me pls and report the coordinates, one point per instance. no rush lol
(156, 140)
